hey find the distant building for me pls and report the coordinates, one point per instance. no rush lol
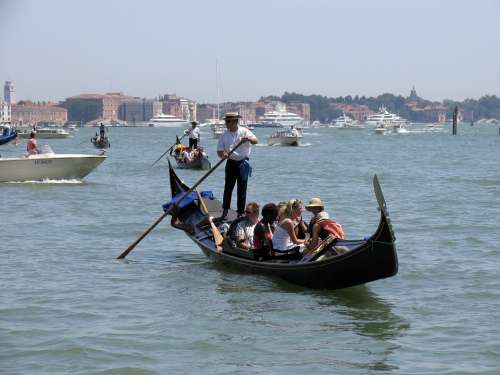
(356, 111)
(301, 109)
(9, 93)
(5, 114)
(179, 107)
(413, 95)
(429, 113)
(89, 107)
(138, 110)
(39, 113)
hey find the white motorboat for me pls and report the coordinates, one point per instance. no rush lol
(400, 129)
(163, 120)
(48, 166)
(397, 128)
(289, 137)
(384, 117)
(46, 133)
(345, 122)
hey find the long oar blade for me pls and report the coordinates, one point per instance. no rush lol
(217, 234)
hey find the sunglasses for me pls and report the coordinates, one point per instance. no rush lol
(250, 212)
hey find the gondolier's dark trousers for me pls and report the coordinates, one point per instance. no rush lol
(193, 143)
(233, 175)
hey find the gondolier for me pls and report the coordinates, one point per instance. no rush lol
(237, 167)
(194, 135)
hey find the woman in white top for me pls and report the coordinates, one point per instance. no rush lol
(285, 238)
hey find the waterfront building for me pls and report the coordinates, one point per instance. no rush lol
(179, 107)
(89, 107)
(9, 93)
(358, 112)
(139, 110)
(38, 113)
(5, 114)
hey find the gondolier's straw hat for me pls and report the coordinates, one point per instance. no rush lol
(315, 202)
(231, 116)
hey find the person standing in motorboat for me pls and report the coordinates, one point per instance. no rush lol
(194, 135)
(238, 168)
(32, 145)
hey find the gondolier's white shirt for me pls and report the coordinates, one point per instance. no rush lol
(229, 140)
(194, 133)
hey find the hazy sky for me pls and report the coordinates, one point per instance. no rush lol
(54, 49)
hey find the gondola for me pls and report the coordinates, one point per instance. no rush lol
(6, 138)
(200, 161)
(359, 262)
(100, 142)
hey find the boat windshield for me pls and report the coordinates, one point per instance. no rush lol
(46, 149)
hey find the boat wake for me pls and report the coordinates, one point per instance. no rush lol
(48, 181)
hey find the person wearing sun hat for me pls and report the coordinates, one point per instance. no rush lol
(238, 168)
(321, 226)
(194, 135)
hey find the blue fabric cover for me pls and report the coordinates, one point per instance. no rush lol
(189, 199)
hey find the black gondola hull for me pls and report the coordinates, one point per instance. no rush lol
(366, 260)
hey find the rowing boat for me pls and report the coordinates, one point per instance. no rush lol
(343, 263)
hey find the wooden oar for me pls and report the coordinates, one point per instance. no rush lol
(217, 235)
(176, 205)
(170, 148)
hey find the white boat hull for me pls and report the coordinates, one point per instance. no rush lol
(285, 141)
(46, 135)
(173, 124)
(48, 166)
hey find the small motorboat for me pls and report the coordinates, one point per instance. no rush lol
(289, 137)
(339, 264)
(190, 159)
(7, 135)
(46, 133)
(48, 166)
(99, 142)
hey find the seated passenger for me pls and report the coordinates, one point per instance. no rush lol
(263, 232)
(284, 238)
(321, 226)
(244, 231)
(186, 155)
(32, 145)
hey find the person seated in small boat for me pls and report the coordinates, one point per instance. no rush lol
(285, 239)
(186, 155)
(263, 232)
(321, 226)
(32, 145)
(241, 231)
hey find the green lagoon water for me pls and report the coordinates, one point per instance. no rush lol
(68, 307)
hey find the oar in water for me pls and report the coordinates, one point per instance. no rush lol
(176, 205)
(217, 235)
(169, 149)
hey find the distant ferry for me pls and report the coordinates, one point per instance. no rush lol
(384, 118)
(345, 122)
(279, 119)
(163, 120)
(46, 133)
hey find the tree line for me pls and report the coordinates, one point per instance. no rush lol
(324, 109)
